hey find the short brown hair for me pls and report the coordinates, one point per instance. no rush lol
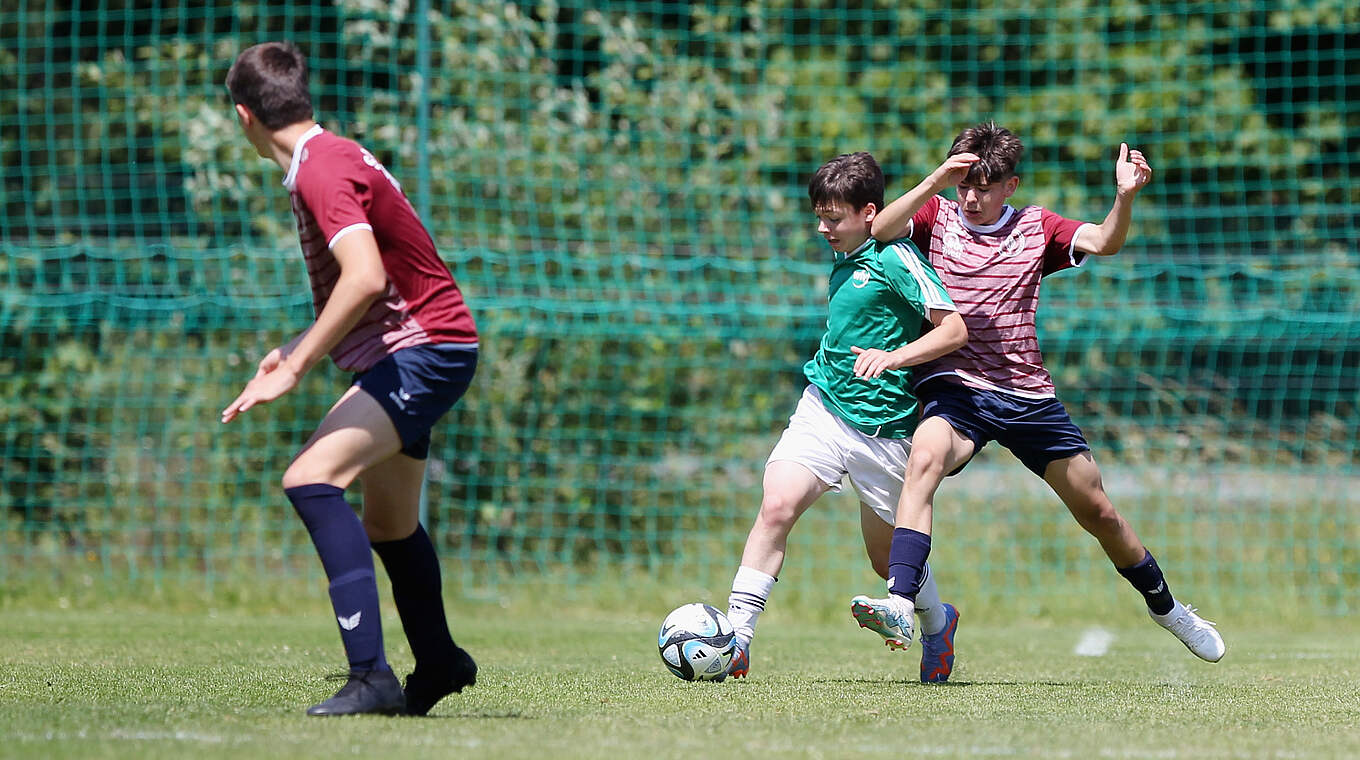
(852, 178)
(997, 149)
(271, 80)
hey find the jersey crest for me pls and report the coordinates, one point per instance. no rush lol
(1013, 246)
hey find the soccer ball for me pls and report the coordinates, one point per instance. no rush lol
(697, 643)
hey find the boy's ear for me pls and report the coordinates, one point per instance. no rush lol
(870, 211)
(1012, 183)
(244, 115)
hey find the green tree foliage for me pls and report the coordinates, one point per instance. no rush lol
(620, 188)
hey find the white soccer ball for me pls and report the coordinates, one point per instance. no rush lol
(697, 643)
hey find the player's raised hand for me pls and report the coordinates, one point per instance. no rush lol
(267, 385)
(1131, 171)
(953, 170)
(873, 362)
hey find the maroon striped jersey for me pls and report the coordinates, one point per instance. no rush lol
(337, 187)
(993, 275)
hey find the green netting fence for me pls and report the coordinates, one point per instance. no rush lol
(619, 188)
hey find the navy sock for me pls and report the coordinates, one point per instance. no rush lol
(345, 554)
(413, 568)
(906, 561)
(1147, 578)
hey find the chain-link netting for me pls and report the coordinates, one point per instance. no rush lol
(620, 190)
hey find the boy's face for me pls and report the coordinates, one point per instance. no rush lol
(981, 202)
(843, 227)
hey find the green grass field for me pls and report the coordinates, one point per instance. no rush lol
(137, 678)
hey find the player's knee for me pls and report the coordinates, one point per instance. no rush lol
(924, 463)
(778, 513)
(306, 470)
(1101, 519)
(379, 530)
(292, 479)
(298, 474)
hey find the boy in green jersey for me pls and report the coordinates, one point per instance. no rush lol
(858, 412)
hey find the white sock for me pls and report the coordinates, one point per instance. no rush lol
(929, 608)
(750, 590)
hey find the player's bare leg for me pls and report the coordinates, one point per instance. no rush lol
(355, 434)
(877, 539)
(391, 491)
(1076, 480)
(789, 489)
(938, 620)
(936, 450)
(391, 518)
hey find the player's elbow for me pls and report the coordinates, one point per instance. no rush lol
(960, 339)
(956, 332)
(364, 285)
(375, 286)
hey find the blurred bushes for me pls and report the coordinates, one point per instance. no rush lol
(619, 187)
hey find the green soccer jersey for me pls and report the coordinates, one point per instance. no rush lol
(880, 296)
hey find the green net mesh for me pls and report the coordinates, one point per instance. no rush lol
(619, 189)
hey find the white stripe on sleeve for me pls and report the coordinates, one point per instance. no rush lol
(1077, 257)
(933, 294)
(346, 230)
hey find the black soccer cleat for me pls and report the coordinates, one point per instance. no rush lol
(367, 692)
(429, 684)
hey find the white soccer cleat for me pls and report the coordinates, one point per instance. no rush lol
(1198, 634)
(890, 618)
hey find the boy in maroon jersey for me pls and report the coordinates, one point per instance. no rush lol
(991, 257)
(388, 310)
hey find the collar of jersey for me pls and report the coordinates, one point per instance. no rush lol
(860, 249)
(291, 176)
(1007, 212)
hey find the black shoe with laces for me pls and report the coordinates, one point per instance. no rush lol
(428, 684)
(367, 692)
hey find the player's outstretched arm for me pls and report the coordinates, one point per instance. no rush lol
(1131, 174)
(891, 222)
(362, 279)
(949, 334)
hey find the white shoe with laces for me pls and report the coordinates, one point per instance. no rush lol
(890, 618)
(1198, 634)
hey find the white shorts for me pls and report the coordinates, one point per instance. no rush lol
(831, 449)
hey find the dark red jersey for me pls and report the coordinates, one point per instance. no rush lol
(337, 187)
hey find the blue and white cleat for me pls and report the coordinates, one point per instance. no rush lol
(890, 618)
(937, 650)
(741, 660)
(1196, 633)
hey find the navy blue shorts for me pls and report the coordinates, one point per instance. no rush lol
(1037, 431)
(417, 385)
